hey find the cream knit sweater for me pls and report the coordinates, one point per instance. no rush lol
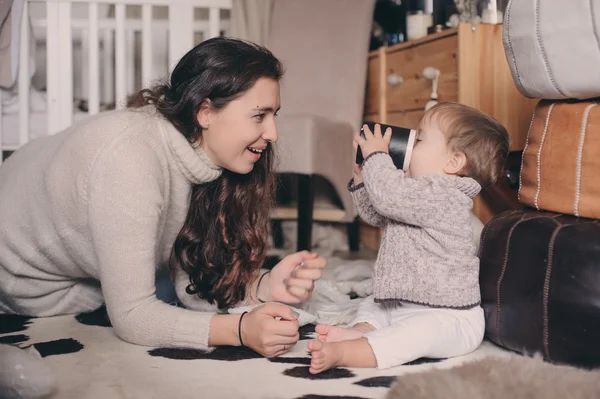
(427, 255)
(87, 216)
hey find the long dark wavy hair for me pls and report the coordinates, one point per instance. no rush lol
(223, 241)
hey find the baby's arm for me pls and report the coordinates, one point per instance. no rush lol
(419, 202)
(361, 198)
(364, 205)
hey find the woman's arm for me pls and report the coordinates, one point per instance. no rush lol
(224, 330)
(292, 280)
(259, 290)
(125, 200)
(260, 329)
(270, 329)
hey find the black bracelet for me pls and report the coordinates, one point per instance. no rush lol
(258, 286)
(240, 328)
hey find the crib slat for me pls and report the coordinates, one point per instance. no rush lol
(1, 133)
(24, 82)
(108, 66)
(65, 38)
(196, 3)
(84, 66)
(213, 22)
(146, 45)
(181, 38)
(93, 60)
(130, 62)
(135, 24)
(52, 67)
(120, 54)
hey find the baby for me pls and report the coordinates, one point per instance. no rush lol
(426, 299)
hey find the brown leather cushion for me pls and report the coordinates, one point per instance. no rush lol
(561, 160)
(540, 284)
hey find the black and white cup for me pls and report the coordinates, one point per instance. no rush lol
(401, 144)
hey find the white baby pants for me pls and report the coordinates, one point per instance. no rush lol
(405, 332)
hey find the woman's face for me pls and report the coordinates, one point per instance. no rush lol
(234, 136)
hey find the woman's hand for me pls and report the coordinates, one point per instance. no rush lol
(374, 141)
(292, 280)
(263, 333)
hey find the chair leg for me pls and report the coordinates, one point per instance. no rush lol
(354, 235)
(277, 232)
(305, 212)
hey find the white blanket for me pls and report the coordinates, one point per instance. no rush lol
(336, 295)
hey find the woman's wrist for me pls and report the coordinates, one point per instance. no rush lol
(224, 330)
(263, 290)
(240, 331)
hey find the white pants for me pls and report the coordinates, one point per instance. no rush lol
(405, 332)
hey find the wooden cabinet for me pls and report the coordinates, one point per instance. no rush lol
(410, 62)
(473, 71)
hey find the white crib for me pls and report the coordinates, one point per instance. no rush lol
(115, 55)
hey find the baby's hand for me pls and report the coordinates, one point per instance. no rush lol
(374, 142)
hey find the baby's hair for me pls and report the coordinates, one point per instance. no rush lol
(483, 140)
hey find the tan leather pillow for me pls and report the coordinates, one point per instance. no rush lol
(561, 159)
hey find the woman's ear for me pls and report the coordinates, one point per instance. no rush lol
(456, 163)
(204, 114)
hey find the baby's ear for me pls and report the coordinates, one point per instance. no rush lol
(456, 163)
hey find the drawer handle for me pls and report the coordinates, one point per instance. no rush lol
(432, 74)
(394, 79)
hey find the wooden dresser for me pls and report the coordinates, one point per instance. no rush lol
(473, 71)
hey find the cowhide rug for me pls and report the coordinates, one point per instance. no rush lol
(90, 362)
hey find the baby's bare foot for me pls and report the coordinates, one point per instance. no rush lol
(329, 333)
(324, 356)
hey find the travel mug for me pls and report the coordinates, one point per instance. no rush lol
(401, 144)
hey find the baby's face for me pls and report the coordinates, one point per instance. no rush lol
(430, 154)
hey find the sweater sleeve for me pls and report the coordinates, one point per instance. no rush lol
(363, 205)
(126, 192)
(415, 201)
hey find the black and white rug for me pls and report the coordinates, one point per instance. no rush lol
(90, 362)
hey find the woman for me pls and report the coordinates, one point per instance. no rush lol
(182, 176)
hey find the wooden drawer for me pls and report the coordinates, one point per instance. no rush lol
(372, 92)
(409, 62)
